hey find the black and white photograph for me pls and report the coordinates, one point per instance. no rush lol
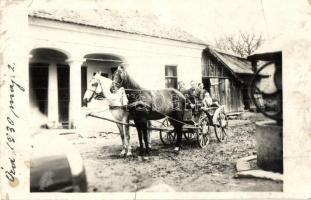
(155, 99)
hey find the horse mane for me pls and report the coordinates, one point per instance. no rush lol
(131, 83)
(112, 97)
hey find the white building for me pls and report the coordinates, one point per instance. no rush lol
(66, 47)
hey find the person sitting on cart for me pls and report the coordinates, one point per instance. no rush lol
(182, 88)
(192, 94)
(208, 102)
(201, 91)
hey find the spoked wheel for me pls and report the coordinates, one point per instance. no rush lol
(203, 132)
(221, 127)
(189, 135)
(167, 137)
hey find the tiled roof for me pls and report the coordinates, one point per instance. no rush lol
(234, 63)
(133, 22)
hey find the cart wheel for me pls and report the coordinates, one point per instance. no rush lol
(189, 135)
(221, 127)
(167, 137)
(203, 132)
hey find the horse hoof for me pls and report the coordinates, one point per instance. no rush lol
(146, 158)
(176, 150)
(129, 154)
(140, 158)
(122, 154)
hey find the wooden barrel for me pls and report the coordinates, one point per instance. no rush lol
(269, 139)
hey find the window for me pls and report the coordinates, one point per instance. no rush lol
(171, 76)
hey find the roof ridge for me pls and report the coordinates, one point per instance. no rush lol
(147, 24)
(234, 63)
(231, 54)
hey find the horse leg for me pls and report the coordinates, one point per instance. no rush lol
(146, 138)
(148, 134)
(140, 137)
(123, 152)
(127, 133)
(149, 138)
(178, 131)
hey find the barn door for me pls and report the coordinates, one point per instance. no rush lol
(206, 84)
(222, 91)
(215, 88)
(219, 88)
(228, 95)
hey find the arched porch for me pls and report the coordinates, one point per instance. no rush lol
(57, 82)
(49, 85)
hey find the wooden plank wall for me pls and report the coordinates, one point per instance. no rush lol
(223, 86)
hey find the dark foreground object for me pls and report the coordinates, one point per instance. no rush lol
(56, 166)
(269, 146)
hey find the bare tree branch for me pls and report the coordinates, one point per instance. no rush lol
(244, 44)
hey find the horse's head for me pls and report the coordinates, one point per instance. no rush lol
(119, 78)
(94, 89)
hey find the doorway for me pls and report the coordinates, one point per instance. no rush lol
(38, 86)
(63, 93)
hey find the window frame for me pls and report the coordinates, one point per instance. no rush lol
(173, 77)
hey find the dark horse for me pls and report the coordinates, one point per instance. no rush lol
(145, 105)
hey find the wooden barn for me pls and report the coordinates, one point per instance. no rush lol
(226, 77)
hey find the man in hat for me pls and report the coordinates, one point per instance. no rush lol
(193, 93)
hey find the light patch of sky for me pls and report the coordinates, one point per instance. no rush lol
(208, 19)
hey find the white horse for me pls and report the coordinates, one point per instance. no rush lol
(100, 85)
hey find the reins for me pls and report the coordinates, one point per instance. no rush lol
(139, 90)
(94, 91)
(98, 81)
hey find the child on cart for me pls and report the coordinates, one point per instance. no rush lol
(209, 105)
(208, 101)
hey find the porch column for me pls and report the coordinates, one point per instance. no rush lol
(53, 96)
(75, 91)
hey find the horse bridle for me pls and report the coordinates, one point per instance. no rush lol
(118, 85)
(94, 91)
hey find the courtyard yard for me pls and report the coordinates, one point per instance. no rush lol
(194, 170)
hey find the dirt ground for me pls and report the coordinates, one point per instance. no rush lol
(193, 170)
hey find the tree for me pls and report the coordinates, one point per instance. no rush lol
(243, 44)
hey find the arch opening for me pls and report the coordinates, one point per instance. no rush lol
(103, 62)
(49, 85)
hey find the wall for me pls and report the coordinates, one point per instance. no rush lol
(145, 56)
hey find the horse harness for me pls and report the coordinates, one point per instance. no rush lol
(98, 83)
(122, 79)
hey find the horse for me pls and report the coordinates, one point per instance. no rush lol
(100, 86)
(145, 105)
